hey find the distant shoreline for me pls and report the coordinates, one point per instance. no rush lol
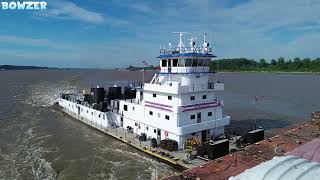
(274, 72)
(16, 67)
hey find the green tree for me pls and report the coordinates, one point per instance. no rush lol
(281, 61)
(263, 63)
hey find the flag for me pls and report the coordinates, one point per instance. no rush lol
(221, 103)
(145, 63)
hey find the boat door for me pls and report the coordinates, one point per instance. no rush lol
(78, 110)
(158, 135)
(121, 122)
(169, 65)
(204, 135)
(199, 117)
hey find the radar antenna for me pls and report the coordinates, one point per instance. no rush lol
(205, 44)
(181, 45)
(193, 47)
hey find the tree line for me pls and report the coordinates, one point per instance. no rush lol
(243, 64)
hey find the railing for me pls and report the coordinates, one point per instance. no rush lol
(204, 86)
(177, 50)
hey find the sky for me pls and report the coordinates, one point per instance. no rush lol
(119, 33)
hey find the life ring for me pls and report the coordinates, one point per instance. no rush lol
(166, 133)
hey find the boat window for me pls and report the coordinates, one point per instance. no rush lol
(169, 97)
(164, 63)
(207, 62)
(195, 63)
(192, 98)
(125, 107)
(188, 62)
(200, 62)
(181, 63)
(155, 131)
(204, 97)
(167, 117)
(154, 95)
(150, 113)
(174, 62)
(147, 128)
(193, 116)
(209, 113)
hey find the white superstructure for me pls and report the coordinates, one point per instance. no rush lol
(178, 103)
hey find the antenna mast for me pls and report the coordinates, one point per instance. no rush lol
(181, 46)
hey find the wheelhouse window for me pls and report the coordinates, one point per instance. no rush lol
(181, 63)
(188, 62)
(164, 63)
(200, 62)
(195, 63)
(174, 62)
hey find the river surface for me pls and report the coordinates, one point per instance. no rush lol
(37, 142)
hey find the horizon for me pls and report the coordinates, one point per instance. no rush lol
(113, 34)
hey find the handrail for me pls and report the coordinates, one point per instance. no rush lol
(188, 49)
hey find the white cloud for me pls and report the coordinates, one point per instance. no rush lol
(71, 11)
(143, 8)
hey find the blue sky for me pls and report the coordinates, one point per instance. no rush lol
(118, 33)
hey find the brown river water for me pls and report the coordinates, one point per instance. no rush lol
(37, 142)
